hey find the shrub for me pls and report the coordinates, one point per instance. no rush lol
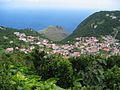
(113, 60)
(61, 69)
(53, 66)
(19, 77)
(90, 69)
(112, 78)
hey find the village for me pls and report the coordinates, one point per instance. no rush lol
(82, 45)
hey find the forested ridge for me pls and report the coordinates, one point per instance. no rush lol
(97, 24)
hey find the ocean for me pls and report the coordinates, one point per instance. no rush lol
(42, 18)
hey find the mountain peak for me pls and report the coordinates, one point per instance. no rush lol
(55, 33)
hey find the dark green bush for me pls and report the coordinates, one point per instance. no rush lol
(62, 69)
(79, 63)
(113, 60)
(53, 66)
(90, 69)
(112, 78)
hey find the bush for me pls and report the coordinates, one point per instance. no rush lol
(53, 66)
(113, 60)
(19, 77)
(79, 63)
(62, 69)
(112, 78)
(90, 69)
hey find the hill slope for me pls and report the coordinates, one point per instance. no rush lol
(54, 33)
(9, 39)
(99, 23)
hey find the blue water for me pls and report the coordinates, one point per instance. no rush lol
(40, 19)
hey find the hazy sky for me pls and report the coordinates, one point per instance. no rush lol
(63, 4)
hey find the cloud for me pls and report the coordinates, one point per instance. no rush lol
(65, 4)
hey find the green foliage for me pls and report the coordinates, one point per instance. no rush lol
(19, 58)
(1, 50)
(53, 66)
(90, 69)
(78, 85)
(113, 60)
(15, 76)
(32, 82)
(8, 33)
(112, 78)
(87, 72)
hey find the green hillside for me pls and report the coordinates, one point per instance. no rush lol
(99, 23)
(54, 33)
(7, 35)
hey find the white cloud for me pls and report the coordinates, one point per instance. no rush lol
(65, 4)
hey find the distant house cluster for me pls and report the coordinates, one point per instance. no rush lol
(94, 45)
(82, 45)
(25, 38)
(89, 45)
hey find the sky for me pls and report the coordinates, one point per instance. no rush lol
(63, 4)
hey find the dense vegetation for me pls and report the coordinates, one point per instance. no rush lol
(41, 71)
(98, 24)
